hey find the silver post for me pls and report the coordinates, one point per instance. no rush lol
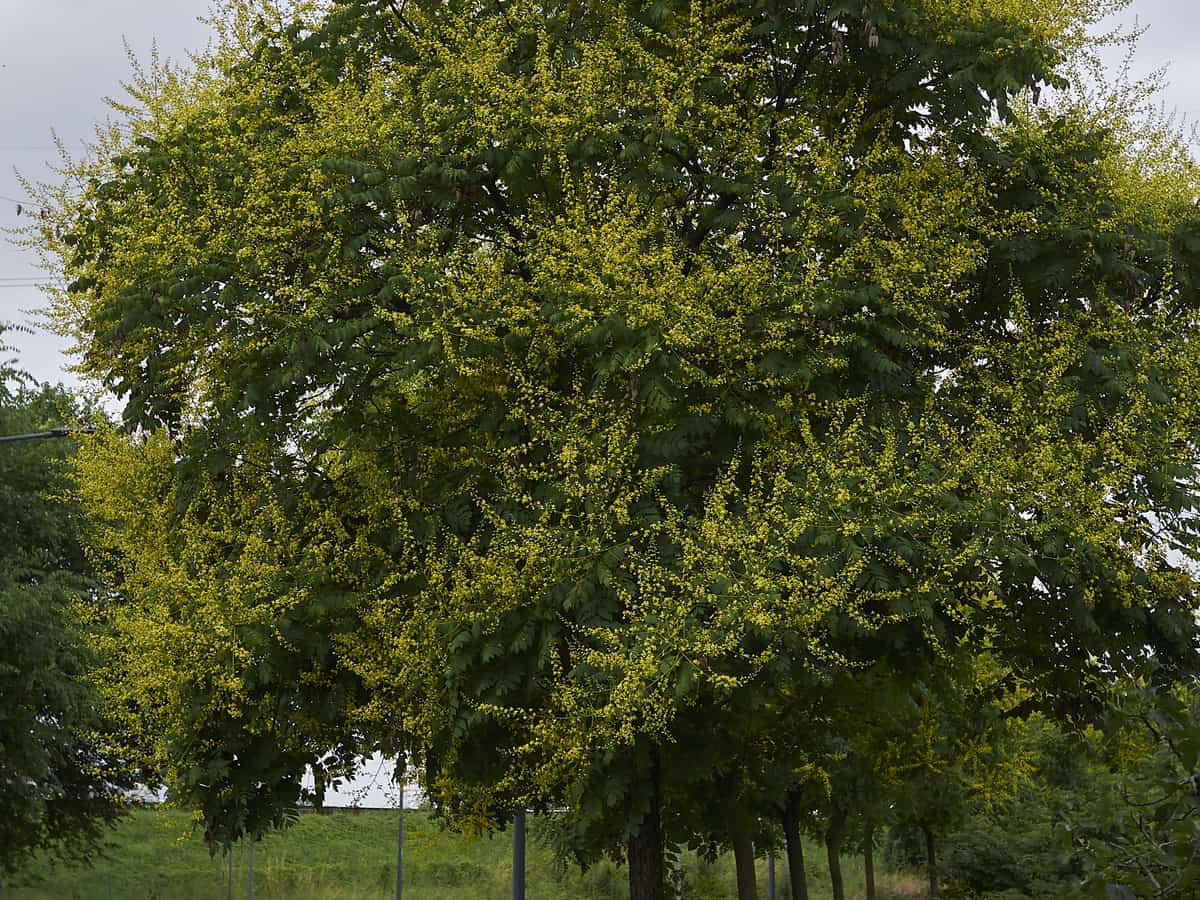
(771, 874)
(679, 874)
(400, 846)
(518, 875)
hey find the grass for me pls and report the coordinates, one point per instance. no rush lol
(155, 855)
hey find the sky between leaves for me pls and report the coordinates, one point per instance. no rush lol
(59, 59)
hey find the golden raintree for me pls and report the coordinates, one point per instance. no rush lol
(522, 386)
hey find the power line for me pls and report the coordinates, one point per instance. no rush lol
(18, 200)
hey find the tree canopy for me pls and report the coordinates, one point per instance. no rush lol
(523, 385)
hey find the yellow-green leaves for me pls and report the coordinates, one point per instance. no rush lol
(525, 387)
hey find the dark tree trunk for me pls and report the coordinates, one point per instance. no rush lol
(647, 875)
(931, 858)
(869, 861)
(743, 857)
(833, 847)
(795, 850)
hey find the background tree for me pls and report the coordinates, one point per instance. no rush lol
(1021, 837)
(63, 785)
(1143, 839)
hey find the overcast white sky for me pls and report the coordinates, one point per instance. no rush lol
(60, 58)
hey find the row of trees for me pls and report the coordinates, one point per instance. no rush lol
(685, 414)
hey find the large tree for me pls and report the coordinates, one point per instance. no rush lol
(600, 370)
(61, 783)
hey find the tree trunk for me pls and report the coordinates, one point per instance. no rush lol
(743, 857)
(869, 861)
(833, 847)
(647, 875)
(931, 858)
(795, 850)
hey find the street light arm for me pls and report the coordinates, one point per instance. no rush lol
(60, 431)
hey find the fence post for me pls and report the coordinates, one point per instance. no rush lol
(228, 871)
(250, 877)
(679, 873)
(108, 883)
(771, 874)
(518, 873)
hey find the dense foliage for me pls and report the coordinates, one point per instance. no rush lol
(574, 397)
(1106, 812)
(1144, 839)
(61, 785)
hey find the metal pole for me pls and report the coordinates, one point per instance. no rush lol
(250, 879)
(679, 874)
(229, 871)
(400, 847)
(108, 882)
(771, 874)
(518, 875)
